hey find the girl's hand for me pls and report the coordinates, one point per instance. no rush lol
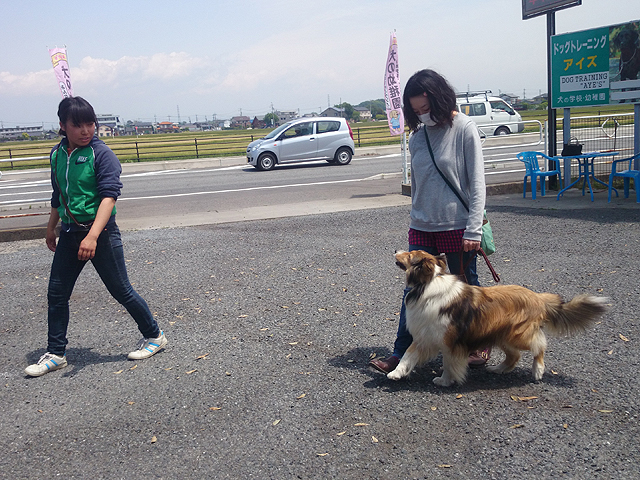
(87, 248)
(51, 239)
(468, 245)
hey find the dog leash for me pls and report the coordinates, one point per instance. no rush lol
(496, 278)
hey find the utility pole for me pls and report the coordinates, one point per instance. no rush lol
(178, 109)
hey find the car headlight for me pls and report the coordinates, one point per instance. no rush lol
(254, 148)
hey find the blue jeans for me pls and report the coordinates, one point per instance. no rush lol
(404, 338)
(109, 263)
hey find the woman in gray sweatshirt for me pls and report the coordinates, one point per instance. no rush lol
(441, 221)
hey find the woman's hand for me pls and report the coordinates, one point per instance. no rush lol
(468, 245)
(88, 245)
(87, 248)
(51, 239)
(50, 236)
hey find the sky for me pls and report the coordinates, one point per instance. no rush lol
(166, 60)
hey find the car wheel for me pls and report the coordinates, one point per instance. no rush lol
(502, 131)
(266, 161)
(342, 157)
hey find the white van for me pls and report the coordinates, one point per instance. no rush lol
(493, 115)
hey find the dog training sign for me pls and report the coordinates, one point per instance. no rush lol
(596, 67)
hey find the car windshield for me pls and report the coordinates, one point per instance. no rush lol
(278, 130)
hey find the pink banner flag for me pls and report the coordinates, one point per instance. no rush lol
(61, 69)
(392, 95)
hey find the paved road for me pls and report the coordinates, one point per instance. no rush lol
(271, 324)
(209, 191)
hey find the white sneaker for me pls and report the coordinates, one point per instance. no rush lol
(47, 363)
(148, 346)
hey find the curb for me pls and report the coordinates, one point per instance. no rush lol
(19, 234)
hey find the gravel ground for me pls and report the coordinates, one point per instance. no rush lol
(265, 374)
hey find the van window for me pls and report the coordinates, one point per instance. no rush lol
(501, 106)
(324, 127)
(473, 109)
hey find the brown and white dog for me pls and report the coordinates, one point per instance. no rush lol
(444, 314)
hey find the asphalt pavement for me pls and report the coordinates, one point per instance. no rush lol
(271, 324)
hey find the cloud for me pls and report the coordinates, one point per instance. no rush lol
(32, 83)
(93, 73)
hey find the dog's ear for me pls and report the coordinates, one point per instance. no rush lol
(417, 259)
(442, 261)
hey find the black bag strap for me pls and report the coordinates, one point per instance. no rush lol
(446, 180)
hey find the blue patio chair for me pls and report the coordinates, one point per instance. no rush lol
(626, 174)
(530, 160)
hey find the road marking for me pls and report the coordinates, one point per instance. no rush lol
(24, 193)
(249, 189)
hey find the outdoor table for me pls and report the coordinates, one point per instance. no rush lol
(585, 169)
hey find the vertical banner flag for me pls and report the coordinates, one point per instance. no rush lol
(61, 69)
(392, 96)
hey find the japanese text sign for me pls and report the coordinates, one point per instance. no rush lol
(392, 95)
(590, 67)
(61, 69)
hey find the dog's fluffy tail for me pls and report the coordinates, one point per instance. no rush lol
(574, 316)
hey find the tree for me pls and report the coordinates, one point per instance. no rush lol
(376, 107)
(271, 120)
(348, 109)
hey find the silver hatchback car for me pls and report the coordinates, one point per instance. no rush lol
(304, 140)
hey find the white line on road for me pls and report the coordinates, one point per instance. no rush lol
(249, 189)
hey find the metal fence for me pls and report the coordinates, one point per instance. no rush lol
(601, 133)
(178, 146)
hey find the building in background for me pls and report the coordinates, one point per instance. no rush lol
(21, 133)
(333, 112)
(167, 127)
(285, 116)
(365, 113)
(113, 121)
(240, 122)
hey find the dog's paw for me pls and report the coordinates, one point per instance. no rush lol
(442, 382)
(500, 368)
(538, 372)
(395, 375)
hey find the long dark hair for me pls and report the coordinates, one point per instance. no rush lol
(76, 109)
(442, 98)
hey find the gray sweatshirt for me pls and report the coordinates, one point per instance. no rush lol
(458, 152)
